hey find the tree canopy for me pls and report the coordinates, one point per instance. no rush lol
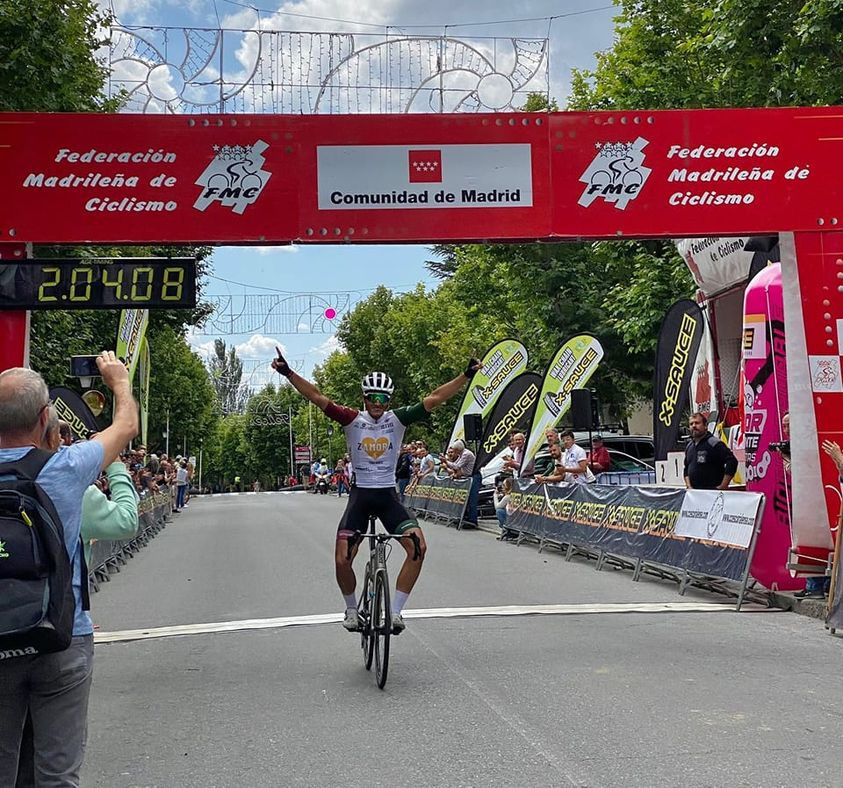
(671, 54)
(48, 60)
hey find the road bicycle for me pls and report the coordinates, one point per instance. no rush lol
(374, 609)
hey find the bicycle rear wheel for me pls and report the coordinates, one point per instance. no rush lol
(367, 636)
(381, 627)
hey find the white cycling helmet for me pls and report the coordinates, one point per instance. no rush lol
(378, 383)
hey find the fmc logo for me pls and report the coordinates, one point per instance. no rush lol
(617, 173)
(234, 178)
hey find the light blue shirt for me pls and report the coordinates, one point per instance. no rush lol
(65, 478)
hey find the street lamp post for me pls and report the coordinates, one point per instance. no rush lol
(329, 431)
(290, 426)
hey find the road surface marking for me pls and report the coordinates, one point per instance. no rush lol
(150, 633)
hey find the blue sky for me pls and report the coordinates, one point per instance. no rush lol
(583, 27)
(357, 270)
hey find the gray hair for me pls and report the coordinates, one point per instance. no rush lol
(23, 394)
(53, 420)
(457, 444)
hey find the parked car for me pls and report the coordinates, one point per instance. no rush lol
(625, 469)
(639, 446)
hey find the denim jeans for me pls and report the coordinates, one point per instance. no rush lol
(181, 489)
(402, 486)
(473, 498)
(815, 584)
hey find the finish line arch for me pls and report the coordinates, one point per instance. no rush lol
(275, 179)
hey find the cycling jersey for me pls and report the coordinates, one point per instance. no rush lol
(375, 445)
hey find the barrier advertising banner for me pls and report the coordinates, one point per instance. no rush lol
(143, 372)
(512, 412)
(571, 368)
(714, 515)
(71, 408)
(502, 363)
(130, 335)
(440, 498)
(679, 341)
(654, 524)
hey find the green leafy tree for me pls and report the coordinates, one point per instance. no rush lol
(233, 457)
(266, 434)
(717, 53)
(179, 386)
(47, 56)
(226, 371)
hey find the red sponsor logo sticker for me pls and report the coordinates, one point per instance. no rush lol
(425, 166)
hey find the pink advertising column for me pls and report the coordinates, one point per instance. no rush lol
(764, 366)
(812, 278)
(14, 325)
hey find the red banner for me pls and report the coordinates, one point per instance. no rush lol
(695, 172)
(408, 178)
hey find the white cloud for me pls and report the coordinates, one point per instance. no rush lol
(259, 346)
(330, 345)
(204, 349)
(303, 327)
(290, 249)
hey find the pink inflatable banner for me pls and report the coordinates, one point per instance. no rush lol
(765, 403)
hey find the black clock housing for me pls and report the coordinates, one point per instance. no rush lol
(147, 283)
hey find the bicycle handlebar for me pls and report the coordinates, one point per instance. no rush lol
(384, 538)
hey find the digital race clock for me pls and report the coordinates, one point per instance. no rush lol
(139, 282)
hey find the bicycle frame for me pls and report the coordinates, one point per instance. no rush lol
(374, 598)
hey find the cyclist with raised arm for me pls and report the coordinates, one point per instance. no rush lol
(375, 436)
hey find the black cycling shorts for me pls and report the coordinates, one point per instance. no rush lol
(383, 503)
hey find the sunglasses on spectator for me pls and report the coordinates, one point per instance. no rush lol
(377, 398)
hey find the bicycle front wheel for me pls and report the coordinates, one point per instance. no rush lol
(367, 635)
(381, 627)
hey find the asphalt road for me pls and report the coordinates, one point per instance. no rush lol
(587, 696)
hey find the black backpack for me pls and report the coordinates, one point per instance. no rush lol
(36, 577)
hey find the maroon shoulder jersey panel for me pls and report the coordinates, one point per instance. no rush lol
(340, 413)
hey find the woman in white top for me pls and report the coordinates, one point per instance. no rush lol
(181, 484)
(501, 498)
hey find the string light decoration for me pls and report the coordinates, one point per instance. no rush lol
(314, 313)
(197, 70)
(256, 374)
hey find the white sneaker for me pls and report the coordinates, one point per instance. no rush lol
(351, 621)
(398, 625)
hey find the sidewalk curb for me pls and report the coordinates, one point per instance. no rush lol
(813, 608)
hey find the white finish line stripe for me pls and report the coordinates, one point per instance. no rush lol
(151, 633)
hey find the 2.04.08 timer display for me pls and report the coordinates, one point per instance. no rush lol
(151, 283)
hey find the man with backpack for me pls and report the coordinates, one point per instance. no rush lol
(46, 656)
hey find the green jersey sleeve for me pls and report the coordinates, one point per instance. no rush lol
(410, 414)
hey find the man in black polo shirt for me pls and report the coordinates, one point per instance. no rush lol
(709, 463)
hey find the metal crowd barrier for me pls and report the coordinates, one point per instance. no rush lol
(623, 478)
(108, 556)
(441, 499)
(704, 538)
